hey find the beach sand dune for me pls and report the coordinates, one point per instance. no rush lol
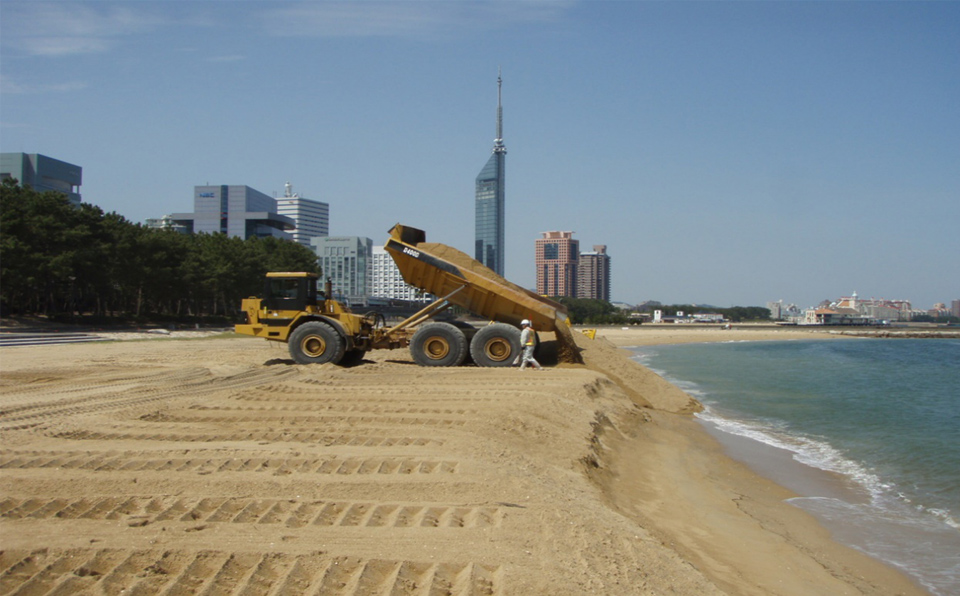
(216, 466)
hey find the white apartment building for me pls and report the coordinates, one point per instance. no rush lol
(312, 218)
(386, 281)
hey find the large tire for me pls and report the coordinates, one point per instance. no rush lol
(315, 342)
(496, 345)
(468, 331)
(438, 344)
(352, 357)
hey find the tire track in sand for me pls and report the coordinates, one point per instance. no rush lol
(210, 572)
(143, 510)
(149, 389)
(278, 464)
(280, 435)
(378, 467)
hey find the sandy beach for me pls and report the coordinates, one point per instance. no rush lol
(216, 466)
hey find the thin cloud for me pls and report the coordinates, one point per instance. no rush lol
(9, 87)
(231, 58)
(64, 46)
(20, 125)
(404, 19)
(65, 28)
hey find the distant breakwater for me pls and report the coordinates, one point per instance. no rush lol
(886, 334)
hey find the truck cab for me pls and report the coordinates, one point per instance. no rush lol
(290, 291)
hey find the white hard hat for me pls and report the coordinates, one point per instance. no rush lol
(525, 323)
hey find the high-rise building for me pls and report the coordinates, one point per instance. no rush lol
(42, 173)
(311, 218)
(387, 282)
(234, 210)
(490, 200)
(593, 274)
(345, 260)
(557, 255)
(955, 308)
(776, 310)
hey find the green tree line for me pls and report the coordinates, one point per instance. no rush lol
(590, 311)
(57, 259)
(932, 319)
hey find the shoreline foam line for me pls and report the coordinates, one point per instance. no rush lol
(857, 506)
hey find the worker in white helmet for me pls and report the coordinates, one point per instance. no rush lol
(528, 341)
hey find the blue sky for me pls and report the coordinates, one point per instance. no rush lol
(725, 152)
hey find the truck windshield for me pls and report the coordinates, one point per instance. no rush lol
(283, 288)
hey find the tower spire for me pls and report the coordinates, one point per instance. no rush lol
(498, 142)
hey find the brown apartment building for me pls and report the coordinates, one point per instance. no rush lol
(593, 275)
(557, 257)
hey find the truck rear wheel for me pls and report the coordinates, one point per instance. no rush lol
(496, 345)
(352, 357)
(315, 343)
(438, 344)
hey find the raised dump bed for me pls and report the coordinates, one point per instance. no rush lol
(455, 277)
(318, 329)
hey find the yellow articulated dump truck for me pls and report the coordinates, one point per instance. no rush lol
(319, 329)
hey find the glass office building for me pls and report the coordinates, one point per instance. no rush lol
(42, 174)
(490, 201)
(234, 210)
(346, 260)
(489, 213)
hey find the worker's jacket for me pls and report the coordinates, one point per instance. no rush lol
(528, 337)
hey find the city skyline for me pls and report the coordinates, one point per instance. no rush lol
(726, 153)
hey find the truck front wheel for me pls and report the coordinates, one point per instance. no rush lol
(497, 344)
(315, 343)
(438, 344)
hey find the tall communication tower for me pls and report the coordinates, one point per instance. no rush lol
(489, 198)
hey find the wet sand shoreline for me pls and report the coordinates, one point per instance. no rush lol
(694, 462)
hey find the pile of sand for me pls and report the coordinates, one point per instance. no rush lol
(566, 347)
(218, 466)
(645, 387)
(465, 261)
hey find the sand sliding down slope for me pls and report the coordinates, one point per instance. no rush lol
(566, 346)
(644, 386)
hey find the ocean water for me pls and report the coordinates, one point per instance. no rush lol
(872, 428)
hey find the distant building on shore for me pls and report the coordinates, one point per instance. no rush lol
(42, 174)
(776, 310)
(878, 309)
(853, 310)
(784, 312)
(835, 316)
